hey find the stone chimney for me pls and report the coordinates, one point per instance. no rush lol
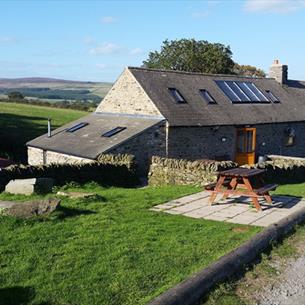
(279, 72)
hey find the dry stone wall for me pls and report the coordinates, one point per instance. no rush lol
(164, 171)
(117, 171)
(283, 169)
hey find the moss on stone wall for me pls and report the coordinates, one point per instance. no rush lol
(165, 171)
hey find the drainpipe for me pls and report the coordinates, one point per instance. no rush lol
(49, 128)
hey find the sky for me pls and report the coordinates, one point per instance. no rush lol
(95, 40)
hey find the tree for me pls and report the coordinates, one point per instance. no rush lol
(247, 70)
(192, 55)
(198, 56)
(15, 95)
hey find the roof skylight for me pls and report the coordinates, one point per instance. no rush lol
(272, 97)
(242, 92)
(113, 131)
(207, 96)
(77, 127)
(178, 97)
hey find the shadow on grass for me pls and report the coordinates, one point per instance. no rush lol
(16, 295)
(64, 212)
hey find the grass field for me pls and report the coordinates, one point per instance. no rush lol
(20, 123)
(108, 251)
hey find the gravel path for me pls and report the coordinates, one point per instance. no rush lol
(289, 288)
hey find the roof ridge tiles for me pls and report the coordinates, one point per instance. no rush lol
(194, 73)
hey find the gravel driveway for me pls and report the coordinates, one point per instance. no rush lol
(289, 286)
(290, 290)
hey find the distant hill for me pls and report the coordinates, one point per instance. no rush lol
(55, 89)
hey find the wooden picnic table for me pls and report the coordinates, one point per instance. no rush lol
(242, 182)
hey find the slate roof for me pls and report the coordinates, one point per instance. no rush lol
(198, 113)
(87, 141)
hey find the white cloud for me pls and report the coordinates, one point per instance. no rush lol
(105, 48)
(135, 51)
(274, 6)
(108, 19)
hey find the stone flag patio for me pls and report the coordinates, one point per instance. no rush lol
(234, 209)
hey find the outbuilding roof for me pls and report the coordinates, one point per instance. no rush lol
(197, 112)
(88, 141)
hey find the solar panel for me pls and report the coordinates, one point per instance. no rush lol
(77, 127)
(178, 97)
(228, 91)
(257, 92)
(207, 96)
(242, 92)
(113, 131)
(238, 91)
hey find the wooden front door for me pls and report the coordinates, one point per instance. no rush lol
(246, 143)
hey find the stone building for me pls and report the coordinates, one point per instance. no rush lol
(185, 115)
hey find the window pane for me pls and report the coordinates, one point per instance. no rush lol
(249, 141)
(207, 96)
(113, 131)
(272, 97)
(240, 141)
(177, 96)
(77, 126)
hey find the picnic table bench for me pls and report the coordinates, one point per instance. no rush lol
(239, 181)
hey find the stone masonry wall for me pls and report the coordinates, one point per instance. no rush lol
(127, 96)
(37, 156)
(272, 139)
(165, 171)
(144, 146)
(208, 142)
(194, 143)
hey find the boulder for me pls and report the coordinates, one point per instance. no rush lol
(30, 208)
(29, 186)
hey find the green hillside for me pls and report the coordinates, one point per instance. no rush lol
(20, 123)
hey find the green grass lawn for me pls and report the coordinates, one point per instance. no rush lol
(20, 123)
(110, 250)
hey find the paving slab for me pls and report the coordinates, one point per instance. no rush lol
(235, 209)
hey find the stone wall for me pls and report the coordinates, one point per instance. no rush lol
(272, 139)
(37, 156)
(194, 143)
(283, 169)
(165, 171)
(220, 142)
(116, 170)
(144, 146)
(127, 96)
